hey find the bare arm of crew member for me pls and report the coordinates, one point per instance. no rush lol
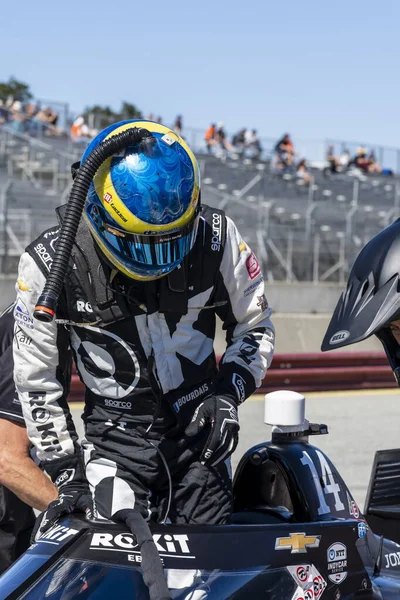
(18, 472)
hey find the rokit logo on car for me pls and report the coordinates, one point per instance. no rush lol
(337, 562)
(58, 533)
(175, 544)
(216, 232)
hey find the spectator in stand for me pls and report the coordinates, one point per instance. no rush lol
(3, 113)
(159, 120)
(373, 166)
(333, 160)
(178, 125)
(285, 151)
(302, 172)
(47, 120)
(80, 132)
(17, 117)
(345, 159)
(210, 137)
(238, 140)
(150, 117)
(222, 140)
(252, 143)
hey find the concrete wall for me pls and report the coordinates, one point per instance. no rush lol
(283, 297)
(301, 317)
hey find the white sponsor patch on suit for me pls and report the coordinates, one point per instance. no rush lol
(21, 315)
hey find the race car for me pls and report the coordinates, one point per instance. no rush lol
(296, 534)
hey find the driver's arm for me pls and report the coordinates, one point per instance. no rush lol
(246, 318)
(42, 373)
(18, 472)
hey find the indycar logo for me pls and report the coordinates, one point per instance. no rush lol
(297, 543)
(337, 562)
(339, 336)
(167, 544)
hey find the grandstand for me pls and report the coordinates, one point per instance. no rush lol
(299, 232)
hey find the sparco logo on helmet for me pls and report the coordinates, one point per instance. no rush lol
(40, 414)
(216, 232)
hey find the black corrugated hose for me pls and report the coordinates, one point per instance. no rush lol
(152, 568)
(47, 301)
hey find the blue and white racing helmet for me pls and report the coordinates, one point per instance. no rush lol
(143, 205)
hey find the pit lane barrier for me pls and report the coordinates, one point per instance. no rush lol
(312, 372)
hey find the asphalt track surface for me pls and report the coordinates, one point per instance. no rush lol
(359, 424)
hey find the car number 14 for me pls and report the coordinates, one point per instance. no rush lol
(330, 485)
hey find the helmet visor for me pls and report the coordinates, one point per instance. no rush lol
(150, 249)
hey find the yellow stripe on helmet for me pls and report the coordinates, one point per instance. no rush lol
(116, 208)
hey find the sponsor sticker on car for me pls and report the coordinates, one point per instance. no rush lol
(362, 529)
(337, 562)
(309, 580)
(297, 543)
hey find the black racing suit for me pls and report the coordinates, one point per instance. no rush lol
(145, 354)
(16, 517)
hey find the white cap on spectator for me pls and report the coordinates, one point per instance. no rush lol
(17, 105)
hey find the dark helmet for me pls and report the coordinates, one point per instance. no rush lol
(372, 298)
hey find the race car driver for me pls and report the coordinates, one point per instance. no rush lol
(150, 269)
(22, 484)
(371, 303)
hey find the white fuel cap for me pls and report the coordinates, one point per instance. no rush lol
(285, 408)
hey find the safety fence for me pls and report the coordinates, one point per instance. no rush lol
(312, 372)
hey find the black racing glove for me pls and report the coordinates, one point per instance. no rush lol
(219, 413)
(68, 475)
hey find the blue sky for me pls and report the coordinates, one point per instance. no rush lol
(316, 69)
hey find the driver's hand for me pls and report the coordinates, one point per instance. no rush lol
(68, 475)
(219, 414)
(70, 500)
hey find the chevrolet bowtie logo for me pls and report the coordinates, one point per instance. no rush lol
(297, 542)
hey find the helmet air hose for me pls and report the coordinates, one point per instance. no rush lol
(47, 301)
